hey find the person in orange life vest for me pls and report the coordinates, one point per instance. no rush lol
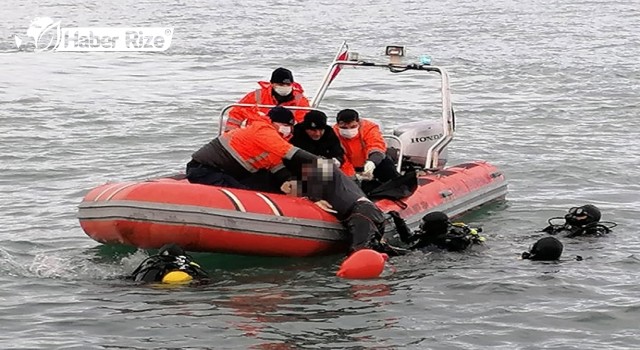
(251, 157)
(365, 148)
(281, 90)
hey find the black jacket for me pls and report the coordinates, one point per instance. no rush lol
(338, 189)
(327, 147)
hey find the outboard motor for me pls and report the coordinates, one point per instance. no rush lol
(417, 138)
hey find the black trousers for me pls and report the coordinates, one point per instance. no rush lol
(206, 175)
(365, 225)
(262, 180)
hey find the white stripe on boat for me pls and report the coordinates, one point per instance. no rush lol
(112, 186)
(269, 203)
(234, 199)
(198, 216)
(120, 189)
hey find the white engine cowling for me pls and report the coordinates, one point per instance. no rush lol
(417, 138)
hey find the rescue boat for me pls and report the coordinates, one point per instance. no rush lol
(148, 214)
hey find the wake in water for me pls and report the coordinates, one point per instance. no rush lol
(61, 265)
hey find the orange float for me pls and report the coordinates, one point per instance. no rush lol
(363, 264)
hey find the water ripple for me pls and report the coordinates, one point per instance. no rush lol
(547, 93)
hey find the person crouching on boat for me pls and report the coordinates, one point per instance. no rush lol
(580, 221)
(251, 157)
(171, 265)
(281, 90)
(337, 193)
(436, 231)
(365, 149)
(315, 136)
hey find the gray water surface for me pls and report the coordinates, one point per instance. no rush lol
(546, 90)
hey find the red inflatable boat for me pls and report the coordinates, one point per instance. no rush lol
(149, 214)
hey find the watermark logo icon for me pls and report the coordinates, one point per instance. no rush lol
(48, 35)
(45, 33)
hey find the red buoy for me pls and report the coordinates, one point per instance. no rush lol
(363, 264)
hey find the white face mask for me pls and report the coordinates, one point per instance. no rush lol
(283, 90)
(284, 130)
(348, 133)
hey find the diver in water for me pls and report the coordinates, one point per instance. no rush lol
(334, 192)
(545, 249)
(171, 265)
(580, 221)
(436, 231)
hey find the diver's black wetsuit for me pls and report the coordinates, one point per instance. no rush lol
(545, 249)
(592, 229)
(580, 221)
(439, 233)
(154, 268)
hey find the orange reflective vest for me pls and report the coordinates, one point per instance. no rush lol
(358, 149)
(263, 96)
(258, 146)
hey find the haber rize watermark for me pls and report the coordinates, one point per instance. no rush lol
(48, 35)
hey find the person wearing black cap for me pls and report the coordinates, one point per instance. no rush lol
(315, 136)
(580, 221)
(281, 90)
(251, 157)
(365, 149)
